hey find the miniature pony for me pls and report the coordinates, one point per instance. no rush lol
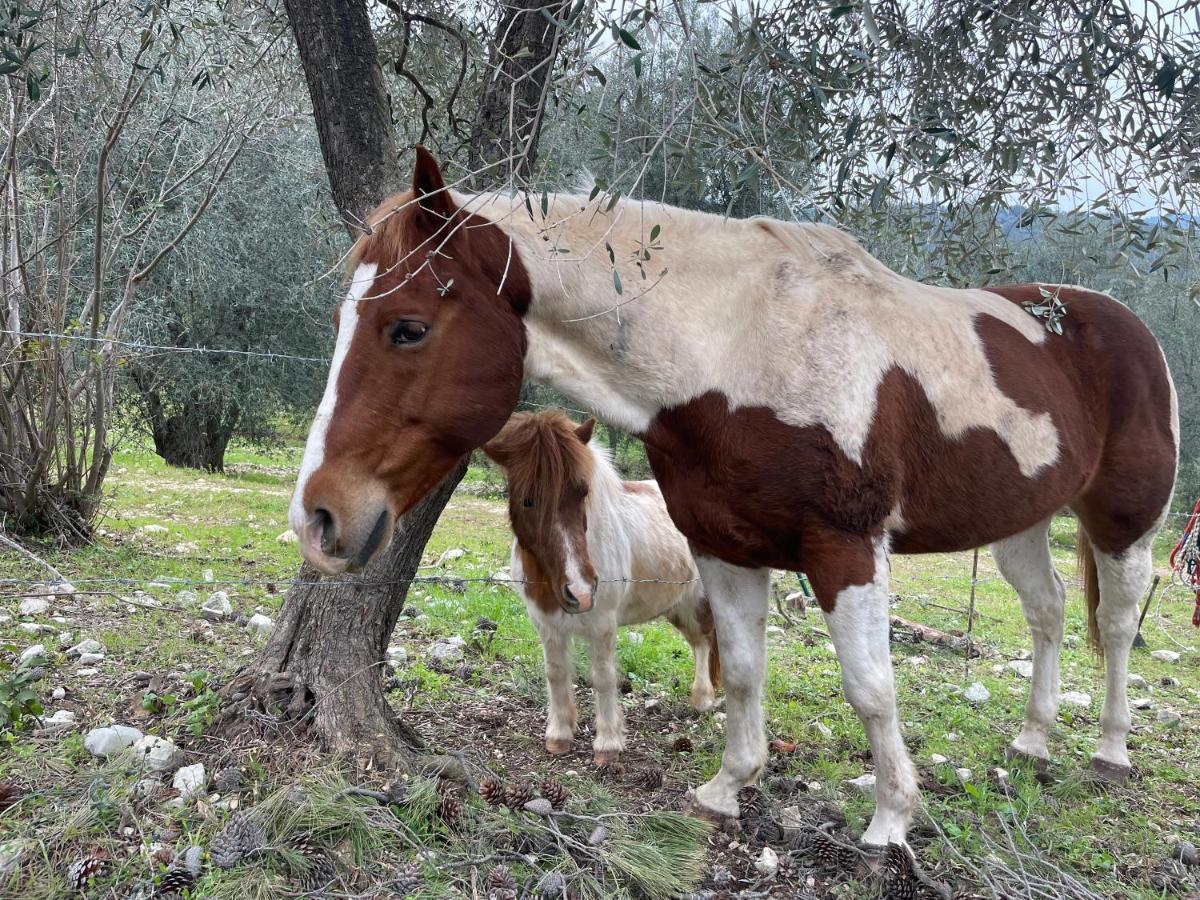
(593, 553)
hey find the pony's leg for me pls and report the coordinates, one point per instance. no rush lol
(703, 694)
(561, 718)
(857, 618)
(1124, 577)
(610, 718)
(1024, 561)
(738, 598)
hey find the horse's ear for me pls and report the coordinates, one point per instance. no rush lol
(584, 431)
(430, 188)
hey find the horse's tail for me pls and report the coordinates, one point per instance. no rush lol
(714, 651)
(1086, 559)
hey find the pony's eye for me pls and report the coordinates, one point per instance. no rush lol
(527, 502)
(409, 331)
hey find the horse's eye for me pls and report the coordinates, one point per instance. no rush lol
(527, 502)
(408, 331)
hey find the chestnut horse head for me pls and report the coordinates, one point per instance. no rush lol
(427, 367)
(549, 468)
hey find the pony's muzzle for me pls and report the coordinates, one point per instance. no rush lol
(578, 603)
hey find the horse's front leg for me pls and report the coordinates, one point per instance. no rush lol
(738, 597)
(851, 584)
(560, 690)
(610, 718)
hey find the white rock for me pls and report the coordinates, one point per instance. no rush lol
(634, 637)
(977, 693)
(964, 774)
(775, 629)
(65, 639)
(447, 649)
(1141, 703)
(397, 655)
(822, 729)
(33, 654)
(87, 673)
(767, 862)
(208, 574)
(1168, 656)
(87, 646)
(864, 784)
(60, 721)
(35, 628)
(217, 608)
(288, 537)
(1168, 717)
(450, 555)
(187, 598)
(90, 659)
(1135, 680)
(110, 739)
(260, 625)
(157, 753)
(5, 618)
(1076, 698)
(916, 660)
(937, 759)
(60, 693)
(1022, 667)
(154, 529)
(34, 606)
(190, 780)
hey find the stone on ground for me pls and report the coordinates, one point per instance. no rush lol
(111, 739)
(190, 780)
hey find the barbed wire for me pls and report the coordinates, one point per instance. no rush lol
(161, 348)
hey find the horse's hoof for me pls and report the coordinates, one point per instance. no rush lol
(1113, 773)
(558, 746)
(698, 810)
(1020, 757)
(605, 757)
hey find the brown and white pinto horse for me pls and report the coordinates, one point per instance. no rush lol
(803, 407)
(586, 540)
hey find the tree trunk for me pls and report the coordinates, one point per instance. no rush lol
(325, 657)
(350, 105)
(508, 123)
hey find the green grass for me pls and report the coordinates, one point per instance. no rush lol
(229, 524)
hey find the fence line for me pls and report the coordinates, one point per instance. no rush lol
(161, 348)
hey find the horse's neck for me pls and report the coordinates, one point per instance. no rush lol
(610, 540)
(606, 349)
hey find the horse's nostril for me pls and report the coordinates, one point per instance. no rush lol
(323, 520)
(570, 598)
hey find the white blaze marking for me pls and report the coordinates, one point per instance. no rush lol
(314, 448)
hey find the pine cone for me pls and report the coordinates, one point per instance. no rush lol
(518, 794)
(317, 869)
(500, 877)
(408, 880)
(242, 836)
(450, 810)
(752, 803)
(86, 867)
(175, 880)
(555, 793)
(228, 780)
(553, 886)
(651, 779)
(492, 790)
(9, 794)
(683, 744)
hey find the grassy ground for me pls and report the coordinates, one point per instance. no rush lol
(221, 532)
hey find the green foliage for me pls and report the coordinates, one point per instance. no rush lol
(19, 703)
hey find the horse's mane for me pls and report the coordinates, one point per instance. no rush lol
(389, 233)
(541, 454)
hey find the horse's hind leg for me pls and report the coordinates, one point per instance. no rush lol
(689, 624)
(1123, 578)
(1024, 561)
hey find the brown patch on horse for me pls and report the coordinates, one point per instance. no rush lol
(546, 460)
(537, 586)
(1128, 418)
